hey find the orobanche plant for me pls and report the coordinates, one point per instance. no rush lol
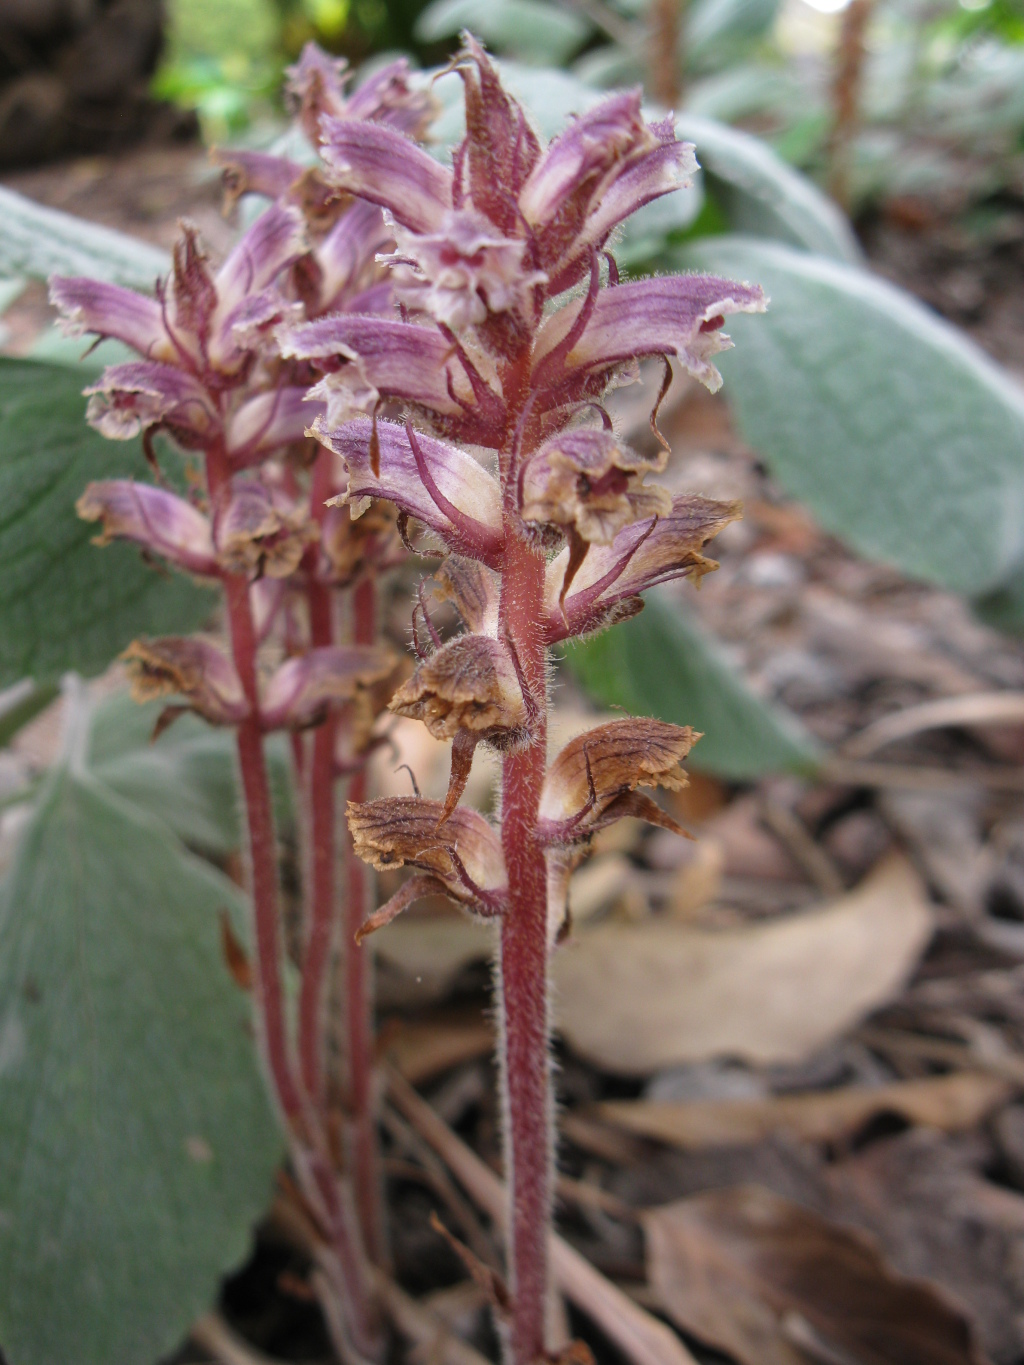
(514, 327)
(448, 336)
(295, 573)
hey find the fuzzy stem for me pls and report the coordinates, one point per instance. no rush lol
(268, 993)
(322, 854)
(523, 967)
(358, 994)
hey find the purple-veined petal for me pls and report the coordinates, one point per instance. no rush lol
(108, 310)
(152, 517)
(387, 168)
(672, 315)
(398, 359)
(303, 689)
(346, 258)
(593, 144)
(463, 505)
(275, 240)
(140, 394)
(641, 556)
(665, 169)
(269, 421)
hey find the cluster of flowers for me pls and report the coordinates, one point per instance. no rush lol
(513, 327)
(298, 583)
(447, 335)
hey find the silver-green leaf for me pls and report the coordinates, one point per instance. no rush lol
(898, 433)
(38, 242)
(663, 663)
(136, 1146)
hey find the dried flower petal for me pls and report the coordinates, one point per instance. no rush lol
(192, 668)
(585, 783)
(469, 683)
(152, 517)
(591, 481)
(464, 855)
(302, 691)
(257, 531)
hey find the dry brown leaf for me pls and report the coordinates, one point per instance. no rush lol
(422, 1049)
(772, 1283)
(635, 998)
(947, 1102)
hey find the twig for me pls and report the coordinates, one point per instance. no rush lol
(639, 1335)
(226, 1347)
(666, 19)
(910, 777)
(1010, 1067)
(800, 843)
(980, 708)
(846, 96)
(435, 1174)
(422, 1325)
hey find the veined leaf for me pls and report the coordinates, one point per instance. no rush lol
(136, 1146)
(528, 29)
(661, 663)
(187, 777)
(66, 604)
(900, 435)
(763, 196)
(38, 242)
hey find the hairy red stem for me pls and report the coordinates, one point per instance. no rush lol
(322, 854)
(358, 994)
(268, 993)
(523, 967)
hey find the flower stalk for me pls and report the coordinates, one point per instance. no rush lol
(479, 416)
(212, 378)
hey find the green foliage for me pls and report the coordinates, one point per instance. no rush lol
(662, 663)
(187, 777)
(136, 1145)
(898, 433)
(39, 242)
(65, 604)
(527, 29)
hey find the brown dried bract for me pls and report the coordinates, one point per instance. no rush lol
(190, 667)
(474, 589)
(350, 547)
(593, 779)
(470, 683)
(465, 856)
